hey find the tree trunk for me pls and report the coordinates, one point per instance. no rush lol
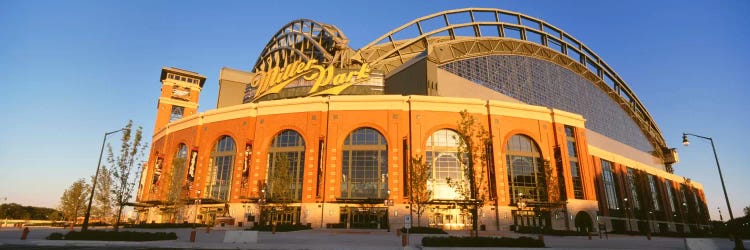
(117, 222)
(475, 221)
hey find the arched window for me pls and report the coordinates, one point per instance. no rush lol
(442, 155)
(179, 163)
(364, 172)
(287, 151)
(221, 165)
(525, 170)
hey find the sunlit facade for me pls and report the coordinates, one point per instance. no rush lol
(570, 145)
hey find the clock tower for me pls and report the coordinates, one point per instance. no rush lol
(179, 95)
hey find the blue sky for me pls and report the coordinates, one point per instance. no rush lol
(72, 70)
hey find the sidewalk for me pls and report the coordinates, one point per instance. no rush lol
(339, 239)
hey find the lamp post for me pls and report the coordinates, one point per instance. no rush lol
(721, 218)
(85, 225)
(627, 213)
(737, 242)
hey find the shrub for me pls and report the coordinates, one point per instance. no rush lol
(424, 230)
(280, 227)
(55, 236)
(481, 242)
(113, 236)
(165, 225)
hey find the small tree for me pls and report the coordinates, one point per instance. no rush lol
(747, 210)
(175, 188)
(102, 207)
(421, 194)
(131, 153)
(472, 153)
(280, 183)
(73, 200)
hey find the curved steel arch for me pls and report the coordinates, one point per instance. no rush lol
(306, 39)
(386, 53)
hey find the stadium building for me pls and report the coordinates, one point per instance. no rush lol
(321, 134)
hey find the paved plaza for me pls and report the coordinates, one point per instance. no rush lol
(322, 239)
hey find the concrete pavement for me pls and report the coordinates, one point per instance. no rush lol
(326, 239)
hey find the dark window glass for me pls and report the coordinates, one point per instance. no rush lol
(525, 170)
(177, 113)
(633, 189)
(575, 168)
(220, 176)
(365, 165)
(288, 148)
(610, 188)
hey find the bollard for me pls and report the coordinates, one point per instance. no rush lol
(25, 233)
(403, 240)
(208, 229)
(589, 233)
(273, 228)
(192, 236)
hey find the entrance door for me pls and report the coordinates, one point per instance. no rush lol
(372, 218)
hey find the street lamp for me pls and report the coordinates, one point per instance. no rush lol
(627, 214)
(721, 177)
(85, 225)
(737, 242)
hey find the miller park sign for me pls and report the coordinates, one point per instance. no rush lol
(320, 79)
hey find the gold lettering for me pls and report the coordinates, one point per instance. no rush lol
(276, 79)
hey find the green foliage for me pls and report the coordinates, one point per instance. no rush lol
(55, 236)
(165, 225)
(102, 208)
(73, 200)
(454, 241)
(280, 228)
(131, 154)
(424, 230)
(420, 194)
(281, 181)
(19, 212)
(114, 236)
(473, 143)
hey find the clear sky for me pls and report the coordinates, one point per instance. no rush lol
(72, 70)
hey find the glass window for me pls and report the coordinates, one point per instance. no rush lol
(526, 175)
(633, 189)
(365, 165)
(610, 188)
(442, 155)
(670, 194)
(575, 169)
(221, 165)
(654, 192)
(288, 150)
(177, 113)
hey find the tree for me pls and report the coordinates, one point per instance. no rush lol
(102, 207)
(280, 183)
(421, 194)
(747, 210)
(175, 188)
(17, 211)
(472, 144)
(131, 153)
(73, 200)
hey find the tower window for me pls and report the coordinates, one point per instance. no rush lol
(177, 113)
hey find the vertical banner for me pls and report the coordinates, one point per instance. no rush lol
(192, 164)
(157, 174)
(246, 162)
(142, 182)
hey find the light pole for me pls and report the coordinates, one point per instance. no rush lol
(737, 242)
(627, 214)
(85, 225)
(721, 218)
